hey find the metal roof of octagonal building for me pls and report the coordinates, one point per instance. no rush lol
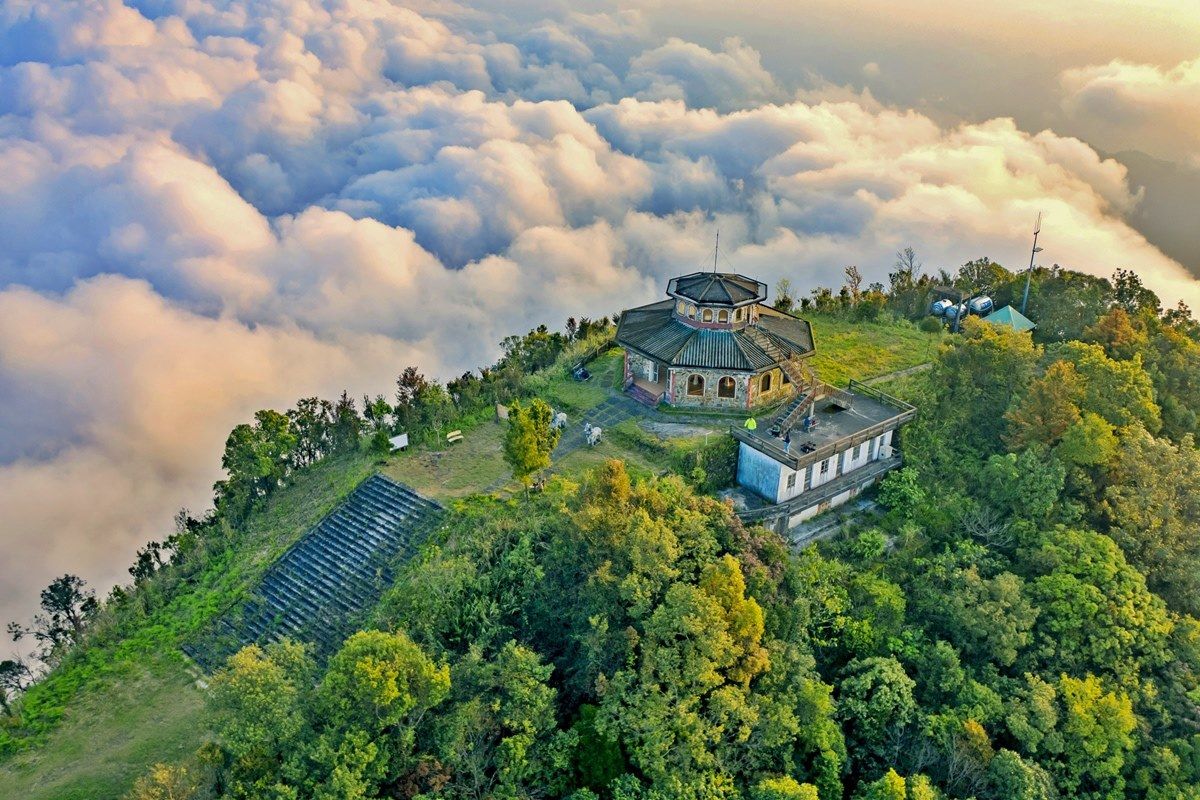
(718, 288)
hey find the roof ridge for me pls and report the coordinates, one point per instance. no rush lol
(738, 342)
(685, 341)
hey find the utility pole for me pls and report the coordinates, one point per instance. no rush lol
(1037, 228)
(962, 309)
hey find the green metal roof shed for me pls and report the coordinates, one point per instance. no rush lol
(1012, 318)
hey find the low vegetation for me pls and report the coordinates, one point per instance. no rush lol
(1018, 621)
(849, 348)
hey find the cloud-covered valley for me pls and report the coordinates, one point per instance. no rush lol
(213, 207)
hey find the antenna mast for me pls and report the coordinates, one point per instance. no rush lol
(1037, 228)
(716, 247)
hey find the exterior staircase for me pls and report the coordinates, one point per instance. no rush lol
(800, 375)
(796, 370)
(795, 411)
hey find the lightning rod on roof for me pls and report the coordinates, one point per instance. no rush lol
(716, 247)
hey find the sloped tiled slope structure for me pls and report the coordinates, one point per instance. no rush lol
(655, 331)
(318, 589)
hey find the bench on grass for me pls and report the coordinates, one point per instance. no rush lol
(454, 436)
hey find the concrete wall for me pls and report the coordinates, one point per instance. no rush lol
(786, 493)
(759, 472)
(831, 470)
(858, 456)
(833, 502)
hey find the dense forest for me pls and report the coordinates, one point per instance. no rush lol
(1019, 620)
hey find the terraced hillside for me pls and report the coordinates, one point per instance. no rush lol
(316, 591)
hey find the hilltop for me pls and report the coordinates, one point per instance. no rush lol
(131, 676)
(1014, 618)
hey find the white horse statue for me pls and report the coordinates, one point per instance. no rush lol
(591, 433)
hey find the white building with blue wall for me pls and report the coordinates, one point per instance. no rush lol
(822, 455)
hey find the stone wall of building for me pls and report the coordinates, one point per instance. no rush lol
(710, 397)
(780, 390)
(747, 389)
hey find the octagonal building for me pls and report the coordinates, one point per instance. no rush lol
(715, 343)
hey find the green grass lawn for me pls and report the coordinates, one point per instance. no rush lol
(454, 470)
(848, 349)
(609, 447)
(112, 732)
(908, 387)
(560, 390)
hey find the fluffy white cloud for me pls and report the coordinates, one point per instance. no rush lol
(142, 394)
(731, 78)
(1138, 106)
(210, 208)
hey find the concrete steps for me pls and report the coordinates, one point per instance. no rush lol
(317, 589)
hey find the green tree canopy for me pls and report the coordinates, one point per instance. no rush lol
(530, 439)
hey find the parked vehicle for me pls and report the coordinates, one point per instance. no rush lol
(938, 307)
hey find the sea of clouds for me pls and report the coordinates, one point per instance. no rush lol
(208, 208)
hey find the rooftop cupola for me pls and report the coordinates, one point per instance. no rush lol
(715, 298)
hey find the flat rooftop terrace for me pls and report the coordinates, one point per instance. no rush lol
(837, 428)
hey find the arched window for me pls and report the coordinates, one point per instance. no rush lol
(692, 312)
(708, 315)
(680, 308)
(766, 382)
(723, 316)
(737, 316)
(725, 387)
(695, 385)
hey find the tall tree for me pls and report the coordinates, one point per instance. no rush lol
(784, 300)
(257, 706)
(257, 459)
(683, 709)
(530, 439)
(500, 737)
(67, 605)
(346, 426)
(1044, 412)
(15, 675)
(977, 377)
(854, 281)
(311, 422)
(1132, 294)
(1119, 391)
(1152, 505)
(876, 705)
